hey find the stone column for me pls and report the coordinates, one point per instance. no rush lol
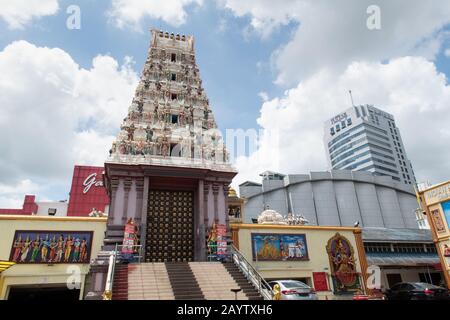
(205, 203)
(143, 215)
(112, 213)
(127, 187)
(215, 189)
(225, 203)
(139, 199)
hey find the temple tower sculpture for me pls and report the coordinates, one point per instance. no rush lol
(168, 168)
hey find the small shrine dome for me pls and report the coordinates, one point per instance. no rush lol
(270, 216)
(232, 193)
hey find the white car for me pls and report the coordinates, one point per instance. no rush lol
(294, 290)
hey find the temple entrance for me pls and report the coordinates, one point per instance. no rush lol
(170, 226)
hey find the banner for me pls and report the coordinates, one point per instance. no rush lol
(129, 238)
(221, 240)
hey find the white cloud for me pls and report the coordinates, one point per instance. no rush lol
(54, 114)
(447, 53)
(265, 15)
(11, 196)
(18, 13)
(132, 12)
(329, 34)
(410, 88)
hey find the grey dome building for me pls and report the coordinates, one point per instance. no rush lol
(336, 198)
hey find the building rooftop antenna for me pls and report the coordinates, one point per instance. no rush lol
(351, 97)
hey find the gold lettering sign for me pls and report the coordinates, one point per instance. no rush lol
(438, 194)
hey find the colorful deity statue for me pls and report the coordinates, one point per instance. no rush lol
(165, 147)
(68, 248)
(44, 248)
(53, 246)
(149, 134)
(83, 250)
(36, 246)
(18, 244)
(25, 249)
(76, 250)
(59, 249)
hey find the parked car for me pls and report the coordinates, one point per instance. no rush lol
(294, 290)
(417, 291)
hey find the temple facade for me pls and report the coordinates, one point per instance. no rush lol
(168, 168)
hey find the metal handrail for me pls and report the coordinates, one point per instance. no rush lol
(251, 273)
(107, 295)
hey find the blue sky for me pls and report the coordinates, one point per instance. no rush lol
(227, 59)
(281, 67)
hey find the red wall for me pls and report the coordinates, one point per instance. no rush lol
(29, 207)
(82, 197)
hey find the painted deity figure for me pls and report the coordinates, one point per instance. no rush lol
(123, 147)
(149, 134)
(59, 249)
(181, 117)
(161, 114)
(167, 114)
(53, 246)
(131, 130)
(83, 250)
(140, 148)
(18, 244)
(36, 246)
(44, 248)
(268, 250)
(68, 248)
(343, 261)
(25, 249)
(76, 250)
(165, 147)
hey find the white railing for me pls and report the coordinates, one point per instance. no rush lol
(251, 273)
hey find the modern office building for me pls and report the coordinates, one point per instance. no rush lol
(364, 138)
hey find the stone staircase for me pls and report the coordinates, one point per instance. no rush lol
(181, 281)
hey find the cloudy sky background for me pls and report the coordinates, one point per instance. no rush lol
(276, 66)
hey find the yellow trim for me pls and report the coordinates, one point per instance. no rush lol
(277, 226)
(52, 218)
(435, 186)
(4, 265)
(443, 238)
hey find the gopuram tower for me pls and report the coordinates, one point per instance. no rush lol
(168, 168)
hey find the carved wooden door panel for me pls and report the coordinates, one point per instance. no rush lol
(170, 226)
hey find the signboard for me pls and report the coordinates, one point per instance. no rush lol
(87, 191)
(129, 238)
(217, 242)
(51, 247)
(320, 281)
(339, 118)
(438, 222)
(438, 194)
(436, 202)
(279, 247)
(221, 240)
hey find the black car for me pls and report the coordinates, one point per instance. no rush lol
(417, 291)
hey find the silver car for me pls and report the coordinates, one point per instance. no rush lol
(294, 290)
